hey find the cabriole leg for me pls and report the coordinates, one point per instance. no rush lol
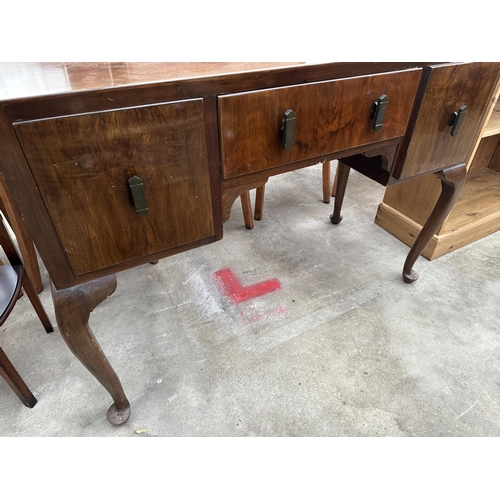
(452, 182)
(73, 307)
(342, 177)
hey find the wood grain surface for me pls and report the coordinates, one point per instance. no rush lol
(431, 146)
(331, 116)
(82, 163)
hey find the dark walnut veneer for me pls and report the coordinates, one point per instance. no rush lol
(191, 138)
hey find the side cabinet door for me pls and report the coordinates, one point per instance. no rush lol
(459, 92)
(82, 166)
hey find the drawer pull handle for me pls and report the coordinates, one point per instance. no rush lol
(457, 119)
(288, 129)
(378, 112)
(138, 195)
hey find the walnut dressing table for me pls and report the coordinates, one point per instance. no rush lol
(113, 165)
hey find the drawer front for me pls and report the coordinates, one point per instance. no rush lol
(82, 165)
(431, 145)
(330, 116)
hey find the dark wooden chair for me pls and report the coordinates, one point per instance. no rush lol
(26, 247)
(14, 279)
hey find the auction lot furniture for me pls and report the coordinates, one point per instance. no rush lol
(116, 165)
(476, 213)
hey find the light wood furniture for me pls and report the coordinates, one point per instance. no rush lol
(13, 279)
(476, 214)
(116, 165)
(246, 204)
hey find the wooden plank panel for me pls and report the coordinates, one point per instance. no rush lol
(495, 159)
(480, 198)
(484, 153)
(493, 126)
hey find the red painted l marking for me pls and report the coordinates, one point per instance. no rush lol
(239, 293)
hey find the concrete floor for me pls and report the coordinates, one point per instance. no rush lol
(343, 348)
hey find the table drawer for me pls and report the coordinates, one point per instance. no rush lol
(329, 116)
(435, 142)
(82, 165)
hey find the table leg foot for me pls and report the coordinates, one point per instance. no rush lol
(118, 417)
(336, 218)
(73, 307)
(452, 182)
(410, 277)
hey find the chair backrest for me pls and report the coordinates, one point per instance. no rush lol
(8, 245)
(11, 276)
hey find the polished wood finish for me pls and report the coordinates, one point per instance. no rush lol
(15, 381)
(331, 116)
(26, 80)
(246, 206)
(73, 307)
(342, 176)
(452, 182)
(474, 216)
(476, 213)
(259, 202)
(325, 173)
(91, 192)
(430, 144)
(198, 137)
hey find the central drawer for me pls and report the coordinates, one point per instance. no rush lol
(329, 116)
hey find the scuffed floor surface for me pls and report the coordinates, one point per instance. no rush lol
(333, 343)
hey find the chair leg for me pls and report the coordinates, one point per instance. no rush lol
(17, 384)
(35, 302)
(259, 202)
(247, 209)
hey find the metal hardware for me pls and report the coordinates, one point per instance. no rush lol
(288, 129)
(378, 112)
(138, 195)
(457, 119)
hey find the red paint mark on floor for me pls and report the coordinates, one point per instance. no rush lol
(255, 317)
(238, 293)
